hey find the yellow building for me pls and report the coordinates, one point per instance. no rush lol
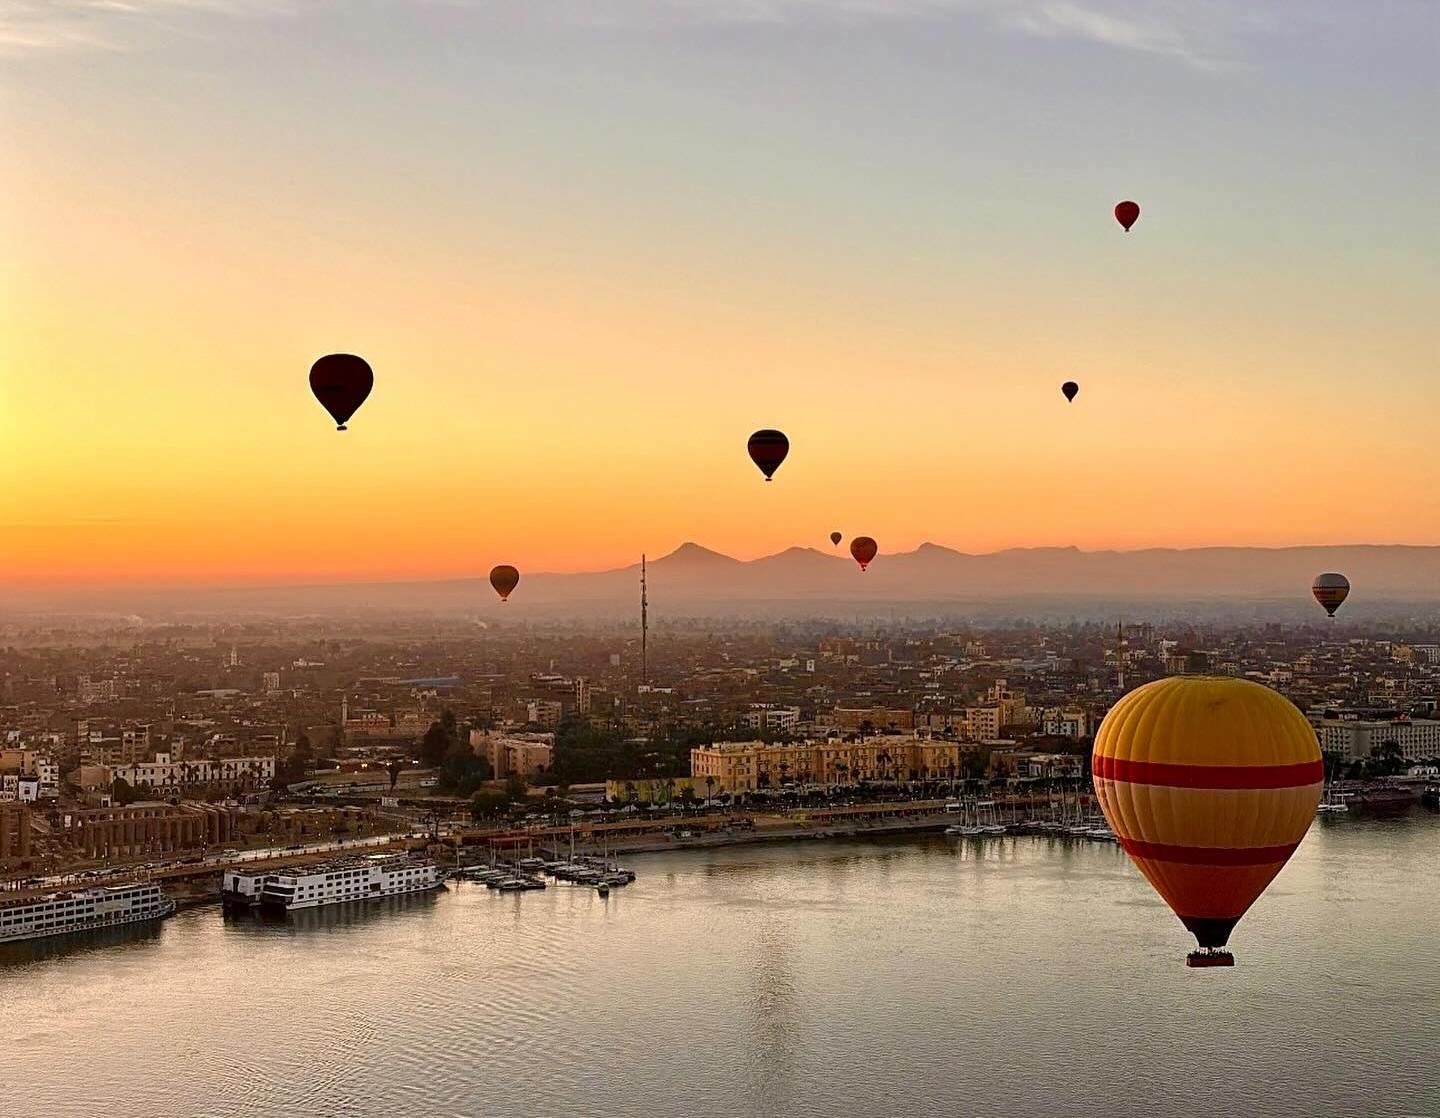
(661, 790)
(746, 766)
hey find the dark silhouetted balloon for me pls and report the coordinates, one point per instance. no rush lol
(1127, 214)
(835, 538)
(341, 381)
(1330, 591)
(1071, 389)
(504, 578)
(767, 450)
(862, 549)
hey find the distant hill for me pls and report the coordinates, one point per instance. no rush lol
(694, 579)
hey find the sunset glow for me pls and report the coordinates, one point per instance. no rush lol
(587, 257)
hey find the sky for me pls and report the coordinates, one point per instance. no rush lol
(588, 246)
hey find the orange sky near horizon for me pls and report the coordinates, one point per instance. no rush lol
(579, 308)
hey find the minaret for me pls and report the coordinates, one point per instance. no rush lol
(1120, 655)
(344, 711)
(644, 627)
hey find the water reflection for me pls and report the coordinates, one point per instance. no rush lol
(1002, 977)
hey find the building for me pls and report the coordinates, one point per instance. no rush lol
(1065, 722)
(751, 766)
(231, 774)
(521, 754)
(544, 712)
(1354, 739)
(655, 790)
(97, 690)
(876, 720)
(771, 718)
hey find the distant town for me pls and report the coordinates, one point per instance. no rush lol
(171, 749)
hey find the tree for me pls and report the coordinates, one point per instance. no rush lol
(687, 795)
(487, 805)
(434, 745)
(1388, 759)
(516, 788)
(462, 772)
(121, 792)
(395, 768)
(709, 789)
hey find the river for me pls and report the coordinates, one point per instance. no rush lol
(911, 977)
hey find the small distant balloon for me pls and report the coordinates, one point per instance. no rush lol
(504, 578)
(862, 550)
(1127, 214)
(1331, 590)
(767, 450)
(1071, 389)
(835, 538)
(341, 381)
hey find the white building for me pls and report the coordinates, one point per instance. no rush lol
(163, 774)
(762, 717)
(1067, 722)
(1355, 740)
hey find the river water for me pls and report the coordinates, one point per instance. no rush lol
(925, 976)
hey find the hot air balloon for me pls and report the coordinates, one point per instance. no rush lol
(1127, 214)
(862, 550)
(504, 578)
(767, 450)
(835, 538)
(1210, 784)
(1330, 591)
(341, 381)
(1070, 389)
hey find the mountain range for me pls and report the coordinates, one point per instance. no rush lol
(695, 579)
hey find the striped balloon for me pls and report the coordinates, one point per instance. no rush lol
(1210, 784)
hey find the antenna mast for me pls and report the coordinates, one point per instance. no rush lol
(644, 627)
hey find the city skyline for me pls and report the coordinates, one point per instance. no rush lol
(589, 249)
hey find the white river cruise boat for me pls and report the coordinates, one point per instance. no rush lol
(81, 910)
(348, 879)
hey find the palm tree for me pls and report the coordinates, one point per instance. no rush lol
(709, 788)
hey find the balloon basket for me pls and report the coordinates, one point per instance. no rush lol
(1209, 959)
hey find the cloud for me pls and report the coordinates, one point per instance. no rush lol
(65, 26)
(1196, 31)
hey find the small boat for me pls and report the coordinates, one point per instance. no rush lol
(1332, 802)
(603, 889)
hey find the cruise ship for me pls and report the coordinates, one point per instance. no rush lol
(81, 910)
(347, 879)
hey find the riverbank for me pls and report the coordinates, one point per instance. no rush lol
(781, 830)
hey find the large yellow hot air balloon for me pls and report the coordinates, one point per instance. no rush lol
(1210, 784)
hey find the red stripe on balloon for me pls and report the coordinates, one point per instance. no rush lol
(1209, 776)
(1208, 855)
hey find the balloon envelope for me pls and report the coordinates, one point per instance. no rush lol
(862, 550)
(1331, 590)
(1127, 214)
(341, 381)
(835, 538)
(504, 578)
(1210, 784)
(767, 450)
(1070, 388)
